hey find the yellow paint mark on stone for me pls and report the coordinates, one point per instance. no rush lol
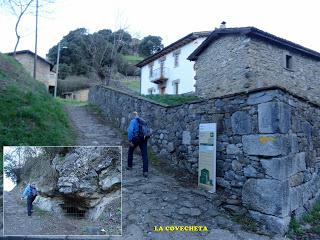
(264, 140)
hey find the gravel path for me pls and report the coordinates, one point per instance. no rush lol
(160, 199)
(17, 222)
(90, 128)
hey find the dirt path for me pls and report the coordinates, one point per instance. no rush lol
(17, 222)
(159, 200)
(90, 129)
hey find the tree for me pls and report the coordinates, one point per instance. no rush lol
(17, 8)
(150, 45)
(100, 52)
(74, 59)
(15, 159)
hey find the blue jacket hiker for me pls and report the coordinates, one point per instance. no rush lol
(30, 192)
(136, 138)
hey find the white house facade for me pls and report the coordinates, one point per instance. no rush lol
(168, 71)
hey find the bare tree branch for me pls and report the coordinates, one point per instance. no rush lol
(23, 9)
(19, 8)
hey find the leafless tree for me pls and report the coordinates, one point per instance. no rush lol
(18, 8)
(104, 56)
(15, 158)
(98, 50)
(122, 26)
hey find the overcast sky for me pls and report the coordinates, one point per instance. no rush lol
(297, 21)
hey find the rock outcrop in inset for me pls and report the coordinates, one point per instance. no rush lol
(83, 181)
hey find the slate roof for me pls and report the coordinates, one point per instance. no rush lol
(32, 53)
(256, 33)
(177, 44)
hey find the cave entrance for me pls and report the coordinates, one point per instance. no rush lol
(75, 207)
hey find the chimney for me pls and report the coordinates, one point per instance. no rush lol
(223, 24)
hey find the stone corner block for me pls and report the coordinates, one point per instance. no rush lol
(261, 97)
(267, 196)
(266, 144)
(274, 117)
(274, 224)
(285, 167)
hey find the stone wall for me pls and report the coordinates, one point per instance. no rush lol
(268, 146)
(236, 63)
(222, 67)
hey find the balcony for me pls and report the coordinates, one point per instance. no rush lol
(159, 75)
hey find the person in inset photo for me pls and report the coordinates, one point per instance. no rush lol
(30, 192)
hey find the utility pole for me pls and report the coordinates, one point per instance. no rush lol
(36, 44)
(57, 73)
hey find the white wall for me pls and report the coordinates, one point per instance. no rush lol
(184, 72)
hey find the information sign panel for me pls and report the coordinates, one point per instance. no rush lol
(207, 156)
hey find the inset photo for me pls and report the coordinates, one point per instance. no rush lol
(62, 190)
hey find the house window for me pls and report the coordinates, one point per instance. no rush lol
(161, 66)
(150, 70)
(176, 86)
(288, 61)
(176, 58)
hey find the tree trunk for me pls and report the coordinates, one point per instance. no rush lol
(17, 25)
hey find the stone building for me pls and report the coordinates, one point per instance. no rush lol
(232, 60)
(44, 68)
(79, 95)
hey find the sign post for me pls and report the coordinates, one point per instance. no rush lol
(207, 156)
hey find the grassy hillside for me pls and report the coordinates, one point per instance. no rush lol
(133, 59)
(134, 85)
(28, 114)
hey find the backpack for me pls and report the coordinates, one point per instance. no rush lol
(144, 129)
(33, 192)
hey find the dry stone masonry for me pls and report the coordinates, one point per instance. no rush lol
(235, 59)
(268, 146)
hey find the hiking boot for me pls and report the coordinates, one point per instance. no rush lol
(129, 168)
(145, 174)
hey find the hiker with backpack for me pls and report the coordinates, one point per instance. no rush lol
(30, 192)
(138, 134)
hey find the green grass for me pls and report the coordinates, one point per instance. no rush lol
(247, 223)
(31, 118)
(294, 228)
(153, 158)
(172, 99)
(28, 114)
(133, 85)
(133, 59)
(313, 215)
(311, 218)
(71, 102)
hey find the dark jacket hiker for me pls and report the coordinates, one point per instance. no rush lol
(138, 134)
(30, 192)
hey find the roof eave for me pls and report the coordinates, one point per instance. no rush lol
(32, 53)
(254, 32)
(177, 44)
(286, 44)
